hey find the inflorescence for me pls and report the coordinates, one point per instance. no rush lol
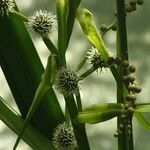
(42, 22)
(132, 5)
(66, 82)
(129, 100)
(6, 6)
(95, 59)
(64, 138)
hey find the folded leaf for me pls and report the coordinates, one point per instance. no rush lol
(103, 107)
(85, 19)
(94, 117)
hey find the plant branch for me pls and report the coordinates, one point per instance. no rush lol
(125, 140)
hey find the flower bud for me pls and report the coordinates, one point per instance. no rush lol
(135, 88)
(129, 78)
(128, 8)
(130, 109)
(125, 63)
(130, 97)
(132, 68)
(140, 2)
(103, 27)
(132, 2)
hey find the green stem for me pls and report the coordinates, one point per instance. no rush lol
(79, 129)
(20, 16)
(40, 92)
(78, 99)
(53, 50)
(81, 64)
(87, 73)
(109, 28)
(125, 140)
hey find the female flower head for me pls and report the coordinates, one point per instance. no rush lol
(64, 138)
(95, 58)
(42, 23)
(6, 6)
(66, 82)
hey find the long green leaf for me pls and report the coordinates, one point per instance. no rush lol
(142, 108)
(103, 107)
(23, 71)
(31, 136)
(94, 117)
(142, 120)
(73, 6)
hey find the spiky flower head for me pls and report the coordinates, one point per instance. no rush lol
(66, 82)
(6, 6)
(42, 22)
(95, 58)
(64, 138)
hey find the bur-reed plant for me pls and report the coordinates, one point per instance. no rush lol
(42, 123)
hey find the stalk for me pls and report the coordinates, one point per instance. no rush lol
(125, 140)
(79, 129)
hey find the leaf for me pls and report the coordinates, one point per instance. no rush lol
(94, 117)
(73, 6)
(62, 13)
(23, 71)
(85, 19)
(142, 108)
(31, 136)
(40, 92)
(103, 107)
(142, 120)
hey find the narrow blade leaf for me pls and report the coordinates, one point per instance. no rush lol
(31, 136)
(94, 117)
(142, 108)
(142, 120)
(23, 71)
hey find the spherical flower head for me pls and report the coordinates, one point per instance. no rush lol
(42, 22)
(6, 6)
(66, 82)
(64, 138)
(95, 58)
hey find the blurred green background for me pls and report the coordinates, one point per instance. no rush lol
(99, 87)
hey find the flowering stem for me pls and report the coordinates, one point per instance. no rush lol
(79, 129)
(52, 49)
(87, 73)
(78, 99)
(109, 27)
(81, 64)
(125, 140)
(20, 16)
